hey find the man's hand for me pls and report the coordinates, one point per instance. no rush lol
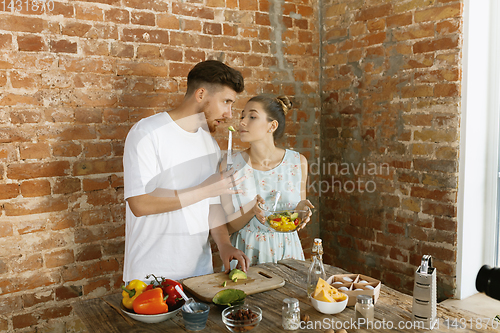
(229, 252)
(221, 183)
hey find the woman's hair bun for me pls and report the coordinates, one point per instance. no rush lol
(285, 103)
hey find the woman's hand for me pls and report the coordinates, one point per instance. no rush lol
(257, 211)
(305, 205)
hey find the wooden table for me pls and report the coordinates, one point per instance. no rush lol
(392, 309)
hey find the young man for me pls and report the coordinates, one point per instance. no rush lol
(172, 183)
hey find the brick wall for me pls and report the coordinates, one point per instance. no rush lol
(390, 136)
(73, 79)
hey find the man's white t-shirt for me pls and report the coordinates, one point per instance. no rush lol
(160, 154)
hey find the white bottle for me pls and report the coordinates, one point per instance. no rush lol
(316, 270)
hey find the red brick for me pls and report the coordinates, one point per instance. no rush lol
(445, 224)
(142, 18)
(438, 209)
(32, 299)
(24, 320)
(66, 185)
(191, 25)
(445, 43)
(438, 252)
(9, 191)
(449, 27)
(192, 10)
(233, 44)
(35, 188)
(374, 12)
(97, 166)
(167, 21)
(6, 229)
(417, 91)
(13, 99)
(157, 6)
(35, 170)
(122, 50)
(99, 66)
(35, 206)
(59, 258)
(398, 255)
(89, 270)
(69, 133)
(97, 286)
(95, 184)
(419, 31)
(142, 69)
(56, 312)
(31, 43)
(117, 15)
(66, 149)
(435, 165)
(6, 41)
(447, 90)
(420, 61)
(62, 9)
(37, 150)
(27, 263)
(68, 292)
(33, 280)
(63, 220)
(63, 46)
(88, 12)
(439, 13)
(25, 80)
(148, 51)
(75, 29)
(10, 22)
(262, 19)
(395, 229)
(88, 252)
(212, 28)
(145, 36)
(399, 20)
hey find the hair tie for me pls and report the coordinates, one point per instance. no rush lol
(283, 106)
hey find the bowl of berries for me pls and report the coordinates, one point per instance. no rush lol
(285, 217)
(241, 318)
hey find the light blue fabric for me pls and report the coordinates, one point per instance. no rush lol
(260, 243)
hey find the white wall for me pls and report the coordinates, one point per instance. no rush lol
(479, 144)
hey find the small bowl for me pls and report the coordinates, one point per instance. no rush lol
(282, 212)
(241, 325)
(329, 307)
(151, 319)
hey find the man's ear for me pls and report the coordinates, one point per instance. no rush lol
(200, 94)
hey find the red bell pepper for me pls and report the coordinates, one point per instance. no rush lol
(168, 287)
(150, 302)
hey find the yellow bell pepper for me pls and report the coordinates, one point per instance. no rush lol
(130, 293)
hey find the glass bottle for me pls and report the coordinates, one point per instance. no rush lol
(290, 314)
(316, 270)
(365, 311)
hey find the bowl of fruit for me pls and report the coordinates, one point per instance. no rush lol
(285, 217)
(151, 303)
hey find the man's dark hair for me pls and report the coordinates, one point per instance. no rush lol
(214, 72)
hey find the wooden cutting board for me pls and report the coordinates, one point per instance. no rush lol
(204, 287)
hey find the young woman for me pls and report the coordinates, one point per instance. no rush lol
(267, 170)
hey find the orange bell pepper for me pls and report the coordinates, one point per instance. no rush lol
(151, 302)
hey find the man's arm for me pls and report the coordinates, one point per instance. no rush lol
(164, 200)
(218, 229)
